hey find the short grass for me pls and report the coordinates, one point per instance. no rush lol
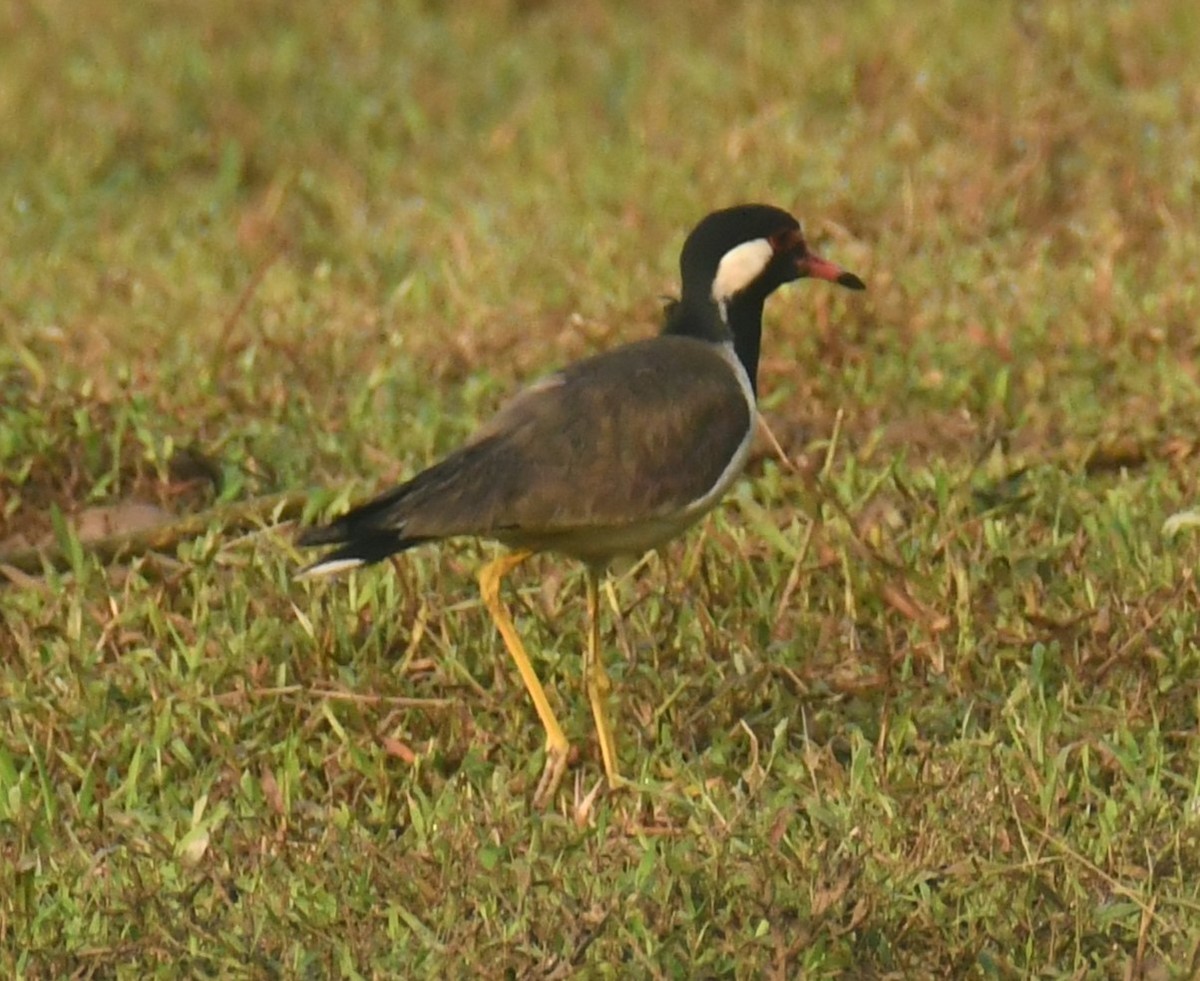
(922, 702)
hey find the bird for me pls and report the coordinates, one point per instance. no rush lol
(610, 457)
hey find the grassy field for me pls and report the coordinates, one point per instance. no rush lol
(920, 701)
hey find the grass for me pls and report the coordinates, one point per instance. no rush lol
(923, 704)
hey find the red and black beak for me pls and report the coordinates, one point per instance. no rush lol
(818, 268)
(792, 243)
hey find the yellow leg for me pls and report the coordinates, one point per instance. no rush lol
(557, 746)
(596, 679)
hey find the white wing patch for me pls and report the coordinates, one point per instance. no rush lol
(739, 267)
(707, 500)
(331, 568)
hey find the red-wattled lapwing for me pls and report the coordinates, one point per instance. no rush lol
(612, 456)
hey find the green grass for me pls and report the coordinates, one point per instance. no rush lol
(924, 705)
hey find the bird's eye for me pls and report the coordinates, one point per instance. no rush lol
(788, 242)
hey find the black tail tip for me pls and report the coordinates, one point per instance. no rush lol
(319, 535)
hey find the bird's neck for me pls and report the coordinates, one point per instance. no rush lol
(739, 322)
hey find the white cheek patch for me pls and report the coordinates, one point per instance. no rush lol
(741, 266)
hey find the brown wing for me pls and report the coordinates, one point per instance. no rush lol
(634, 433)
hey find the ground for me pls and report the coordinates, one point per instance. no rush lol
(920, 700)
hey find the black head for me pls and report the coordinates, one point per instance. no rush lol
(750, 249)
(733, 260)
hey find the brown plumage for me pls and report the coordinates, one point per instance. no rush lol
(615, 454)
(581, 461)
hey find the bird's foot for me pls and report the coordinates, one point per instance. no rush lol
(552, 774)
(618, 782)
